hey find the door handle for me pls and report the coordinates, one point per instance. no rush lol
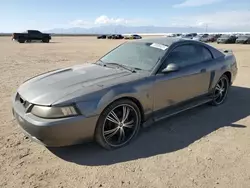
(203, 70)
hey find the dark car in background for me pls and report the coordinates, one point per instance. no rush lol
(101, 36)
(115, 36)
(210, 38)
(109, 36)
(244, 39)
(31, 35)
(226, 39)
(216, 36)
(189, 36)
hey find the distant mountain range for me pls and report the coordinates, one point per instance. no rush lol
(121, 29)
(115, 29)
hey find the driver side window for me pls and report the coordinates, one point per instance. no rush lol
(184, 55)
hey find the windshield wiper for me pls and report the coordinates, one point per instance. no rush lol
(101, 64)
(120, 65)
(136, 68)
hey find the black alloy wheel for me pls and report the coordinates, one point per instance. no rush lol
(118, 124)
(221, 91)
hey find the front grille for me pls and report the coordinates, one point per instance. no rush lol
(22, 101)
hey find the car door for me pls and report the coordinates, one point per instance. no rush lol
(33, 35)
(190, 81)
(37, 35)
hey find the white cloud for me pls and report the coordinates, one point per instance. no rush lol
(105, 20)
(236, 20)
(196, 3)
(221, 20)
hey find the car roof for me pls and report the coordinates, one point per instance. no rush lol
(167, 41)
(31, 30)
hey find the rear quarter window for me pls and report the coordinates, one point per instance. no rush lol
(216, 53)
(206, 54)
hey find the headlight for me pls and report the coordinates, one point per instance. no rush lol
(54, 112)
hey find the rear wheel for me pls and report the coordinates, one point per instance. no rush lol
(21, 40)
(220, 91)
(118, 124)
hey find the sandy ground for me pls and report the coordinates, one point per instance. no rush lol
(205, 147)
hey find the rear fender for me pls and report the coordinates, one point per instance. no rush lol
(227, 64)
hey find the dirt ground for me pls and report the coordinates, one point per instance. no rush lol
(204, 147)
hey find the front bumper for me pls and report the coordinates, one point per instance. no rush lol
(55, 132)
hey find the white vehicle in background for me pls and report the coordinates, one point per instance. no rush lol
(174, 35)
(189, 35)
(134, 36)
(199, 37)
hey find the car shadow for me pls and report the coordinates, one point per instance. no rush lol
(168, 135)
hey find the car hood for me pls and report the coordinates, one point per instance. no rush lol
(50, 87)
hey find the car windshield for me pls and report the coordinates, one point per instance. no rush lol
(138, 55)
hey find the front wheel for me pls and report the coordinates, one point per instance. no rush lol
(45, 40)
(220, 91)
(118, 124)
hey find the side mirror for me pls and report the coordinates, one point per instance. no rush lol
(172, 67)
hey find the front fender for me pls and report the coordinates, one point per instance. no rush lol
(96, 106)
(140, 93)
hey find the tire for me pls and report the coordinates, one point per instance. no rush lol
(118, 134)
(45, 40)
(219, 96)
(21, 41)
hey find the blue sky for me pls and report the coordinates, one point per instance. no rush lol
(19, 15)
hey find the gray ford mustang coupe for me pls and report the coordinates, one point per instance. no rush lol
(132, 86)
